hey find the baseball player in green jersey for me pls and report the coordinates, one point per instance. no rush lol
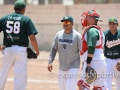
(17, 28)
(92, 51)
(112, 53)
(68, 44)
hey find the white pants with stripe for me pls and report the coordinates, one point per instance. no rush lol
(111, 72)
(14, 56)
(67, 80)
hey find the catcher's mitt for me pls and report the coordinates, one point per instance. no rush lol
(31, 54)
(91, 75)
(118, 66)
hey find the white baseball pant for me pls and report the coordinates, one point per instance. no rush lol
(111, 72)
(14, 56)
(67, 80)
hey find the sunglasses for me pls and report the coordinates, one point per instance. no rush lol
(66, 22)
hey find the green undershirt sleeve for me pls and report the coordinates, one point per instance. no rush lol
(91, 50)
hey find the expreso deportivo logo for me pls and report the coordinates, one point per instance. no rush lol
(73, 75)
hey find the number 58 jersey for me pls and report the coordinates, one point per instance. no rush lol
(16, 28)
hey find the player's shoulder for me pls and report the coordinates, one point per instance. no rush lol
(93, 30)
(26, 17)
(118, 30)
(5, 17)
(105, 32)
(76, 32)
(60, 32)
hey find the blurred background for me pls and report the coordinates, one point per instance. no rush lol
(46, 15)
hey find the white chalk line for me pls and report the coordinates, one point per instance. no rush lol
(43, 81)
(36, 81)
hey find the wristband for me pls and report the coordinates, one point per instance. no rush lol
(89, 59)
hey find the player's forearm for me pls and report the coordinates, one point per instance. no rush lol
(90, 54)
(34, 44)
(52, 55)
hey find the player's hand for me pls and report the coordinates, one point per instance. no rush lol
(37, 53)
(2, 48)
(49, 67)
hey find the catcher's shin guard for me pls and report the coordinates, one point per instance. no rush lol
(82, 85)
(99, 88)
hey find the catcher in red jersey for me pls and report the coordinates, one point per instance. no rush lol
(92, 53)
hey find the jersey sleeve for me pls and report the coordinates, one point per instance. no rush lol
(52, 55)
(55, 43)
(92, 37)
(31, 28)
(53, 50)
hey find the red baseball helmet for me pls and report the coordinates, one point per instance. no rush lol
(92, 13)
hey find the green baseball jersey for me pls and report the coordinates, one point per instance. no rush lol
(16, 28)
(112, 45)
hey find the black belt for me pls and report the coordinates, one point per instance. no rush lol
(112, 57)
(16, 45)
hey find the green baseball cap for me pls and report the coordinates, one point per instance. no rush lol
(19, 4)
(114, 20)
(67, 18)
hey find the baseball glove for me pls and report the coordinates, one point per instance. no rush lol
(118, 66)
(31, 54)
(91, 75)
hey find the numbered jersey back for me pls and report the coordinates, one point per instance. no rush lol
(15, 28)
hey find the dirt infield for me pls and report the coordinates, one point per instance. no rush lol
(38, 76)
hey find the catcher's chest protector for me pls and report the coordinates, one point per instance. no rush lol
(84, 43)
